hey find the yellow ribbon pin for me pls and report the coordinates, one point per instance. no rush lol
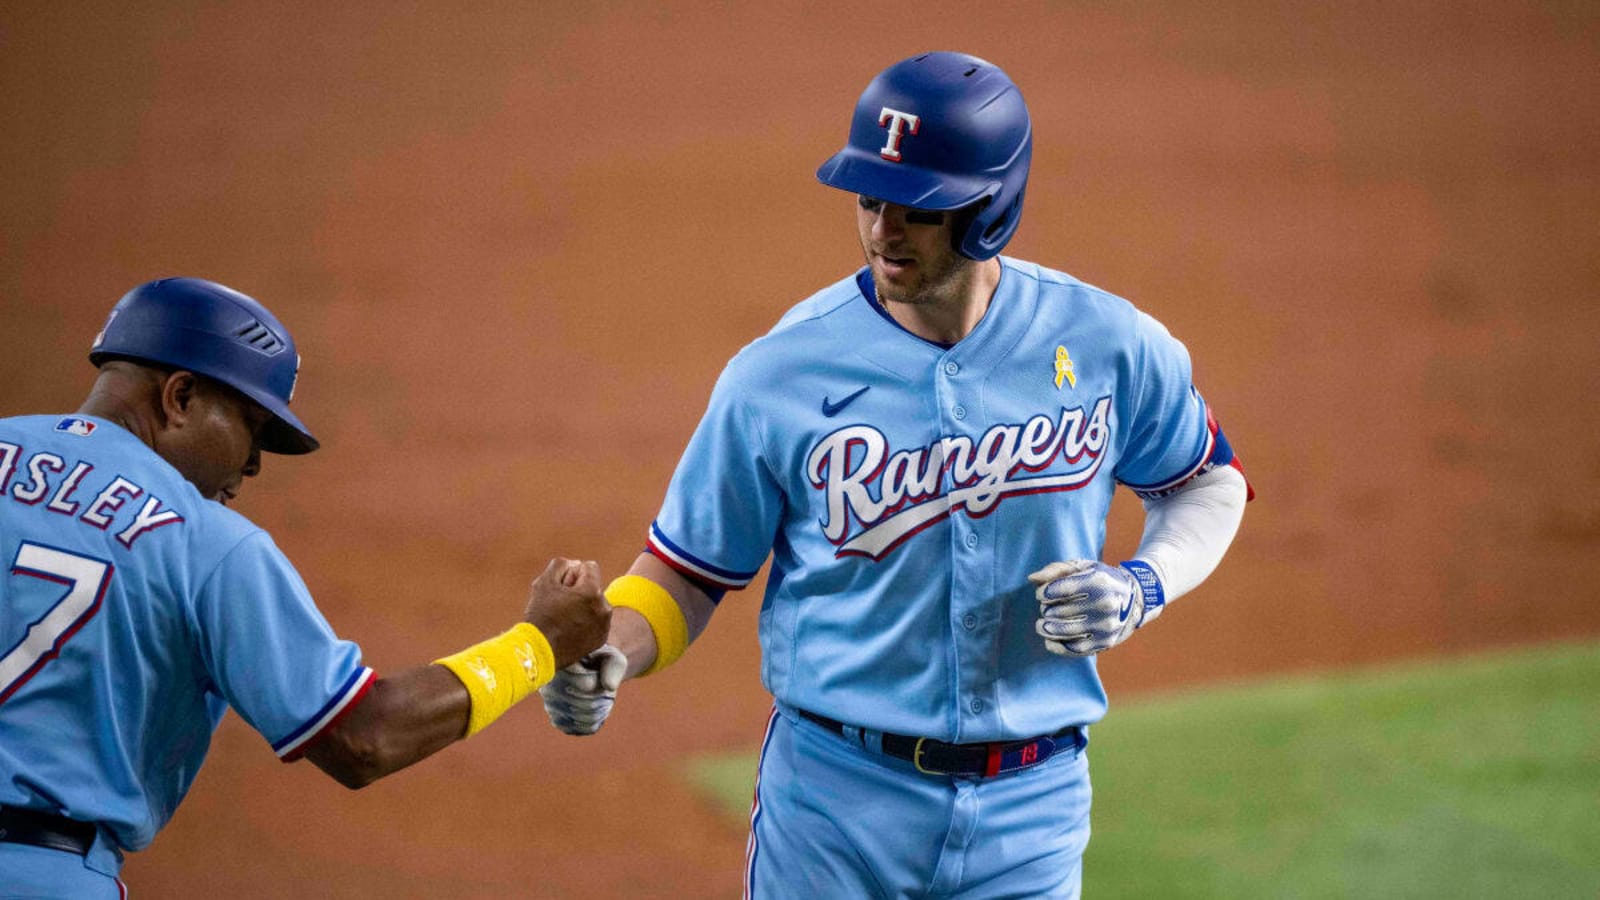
(1064, 368)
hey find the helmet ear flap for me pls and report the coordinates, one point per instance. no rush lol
(962, 225)
(989, 230)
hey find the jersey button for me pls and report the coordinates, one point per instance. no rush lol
(969, 621)
(951, 368)
(960, 412)
(972, 540)
(976, 705)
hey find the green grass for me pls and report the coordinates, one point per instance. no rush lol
(1461, 779)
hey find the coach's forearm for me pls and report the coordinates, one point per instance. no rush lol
(405, 718)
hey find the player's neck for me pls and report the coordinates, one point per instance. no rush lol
(950, 314)
(118, 397)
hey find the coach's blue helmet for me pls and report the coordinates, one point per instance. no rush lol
(942, 131)
(215, 331)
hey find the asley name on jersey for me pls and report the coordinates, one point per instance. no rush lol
(893, 494)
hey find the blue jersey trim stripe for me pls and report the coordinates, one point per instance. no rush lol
(678, 556)
(713, 592)
(353, 687)
(1222, 455)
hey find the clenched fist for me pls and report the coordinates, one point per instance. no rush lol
(567, 604)
(1086, 606)
(580, 697)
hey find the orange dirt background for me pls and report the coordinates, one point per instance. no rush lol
(516, 246)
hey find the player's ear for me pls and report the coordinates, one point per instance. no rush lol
(179, 389)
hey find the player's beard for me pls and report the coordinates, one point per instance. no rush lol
(936, 280)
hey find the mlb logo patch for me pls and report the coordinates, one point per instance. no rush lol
(77, 426)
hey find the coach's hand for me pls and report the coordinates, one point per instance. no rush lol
(568, 605)
(1086, 606)
(580, 697)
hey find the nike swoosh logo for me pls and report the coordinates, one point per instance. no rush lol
(832, 409)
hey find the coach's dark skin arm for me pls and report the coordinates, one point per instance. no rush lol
(631, 634)
(416, 713)
(404, 718)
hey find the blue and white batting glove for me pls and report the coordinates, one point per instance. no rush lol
(579, 698)
(1086, 606)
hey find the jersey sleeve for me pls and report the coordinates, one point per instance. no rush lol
(722, 509)
(1170, 435)
(269, 651)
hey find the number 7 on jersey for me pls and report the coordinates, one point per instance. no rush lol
(85, 580)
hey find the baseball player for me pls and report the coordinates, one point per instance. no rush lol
(135, 607)
(928, 449)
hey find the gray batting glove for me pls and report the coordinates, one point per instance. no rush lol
(1086, 606)
(580, 697)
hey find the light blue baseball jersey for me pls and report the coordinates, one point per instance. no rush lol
(133, 612)
(906, 489)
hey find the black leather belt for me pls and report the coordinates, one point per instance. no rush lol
(26, 826)
(972, 760)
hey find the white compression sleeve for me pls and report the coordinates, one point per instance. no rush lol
(1187, 532)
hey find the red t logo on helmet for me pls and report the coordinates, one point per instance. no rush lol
(898, 122)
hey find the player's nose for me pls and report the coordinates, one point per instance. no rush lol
(252, 466)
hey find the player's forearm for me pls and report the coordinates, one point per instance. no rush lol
(632, 634)
(406, 718)
(1187, 533)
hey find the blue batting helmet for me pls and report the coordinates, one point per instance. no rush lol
(942, 131)
(215, 331)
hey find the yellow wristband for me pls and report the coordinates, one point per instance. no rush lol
(665, 617)
(501, 671)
